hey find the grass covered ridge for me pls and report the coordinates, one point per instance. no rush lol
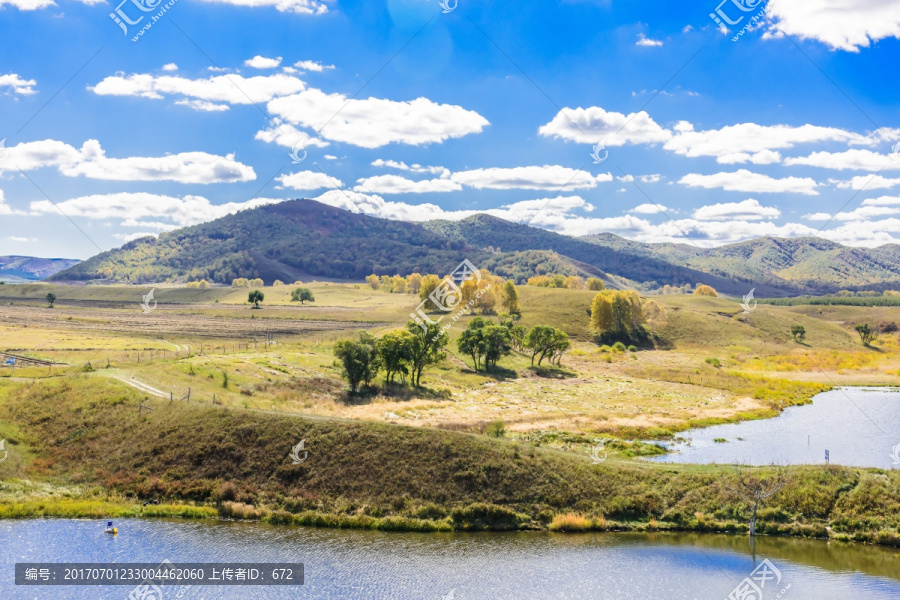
(86, 433)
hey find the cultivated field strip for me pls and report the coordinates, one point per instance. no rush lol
(165, 323)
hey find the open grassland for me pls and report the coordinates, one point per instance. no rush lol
(225, 408)
(712, 363)
(84, 438)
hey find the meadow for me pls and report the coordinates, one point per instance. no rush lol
(193, 402)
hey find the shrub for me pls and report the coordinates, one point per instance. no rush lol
(714, 362)
(495, 429)
(480, 516)
(570, 522)
(706, 290)
(619, 347)
(632, 348)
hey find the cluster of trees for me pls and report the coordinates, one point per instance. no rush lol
(202, 284)
(668, 290)
(620, 316)
(302, 294)
(396, 284)
(706, 290)
(401, 353)
(484, 295)
(866, 294)
(572, 282)
(487, 342)
(243, 282)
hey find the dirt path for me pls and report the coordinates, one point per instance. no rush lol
(142, 386)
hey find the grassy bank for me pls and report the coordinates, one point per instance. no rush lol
(85, 434)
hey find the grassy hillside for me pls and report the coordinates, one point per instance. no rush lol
(300, 240)
(81, 434)
(812, 264)
(304, 239)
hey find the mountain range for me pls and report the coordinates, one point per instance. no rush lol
(302, 239)
(21, 269)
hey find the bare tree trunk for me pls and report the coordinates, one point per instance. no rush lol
(753, 518)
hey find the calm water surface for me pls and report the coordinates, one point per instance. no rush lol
(858, 426)
(403, 566)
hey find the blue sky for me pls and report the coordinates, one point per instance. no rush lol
(405, 111)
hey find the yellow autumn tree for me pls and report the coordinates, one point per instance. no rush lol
(618, 316)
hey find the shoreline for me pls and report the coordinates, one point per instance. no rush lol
(563, 523)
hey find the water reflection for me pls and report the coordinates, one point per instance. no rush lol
(401, 566)
(858, 426)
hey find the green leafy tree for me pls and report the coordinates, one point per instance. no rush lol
(426, 348)
(471, 341)
(544, 341)
(485, 342)
(256, 297)
(509, 299)
(595, 284)
(302, 295)
(51, 298)
(798, 332)
(866, 333)
(395, 351)
(497, 342)
(516, 332)
(359, 359)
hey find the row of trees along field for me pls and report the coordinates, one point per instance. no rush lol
(486, 293)
(412, 284)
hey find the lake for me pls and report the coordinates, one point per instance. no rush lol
(858, 426)
(454, 566)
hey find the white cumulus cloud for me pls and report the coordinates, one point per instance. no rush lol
(747, 210)
(594, 124)
(547, 177)
(376, 122)
(309, 180)
(841, 24)
(261, 62)
(15, 84)
(746, 181)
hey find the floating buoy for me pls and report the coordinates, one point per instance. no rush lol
(110, 529)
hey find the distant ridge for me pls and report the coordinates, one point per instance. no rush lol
(20, 269)
(302, 239)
